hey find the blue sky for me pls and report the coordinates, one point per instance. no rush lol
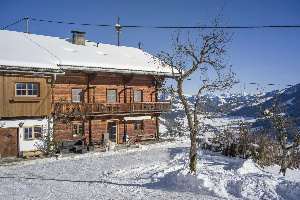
(264, 56)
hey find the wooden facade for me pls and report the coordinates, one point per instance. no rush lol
(12, 105)
(64, 131)
(115, 94)
(96, 114)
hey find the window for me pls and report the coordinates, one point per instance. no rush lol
(111, 95)
(27, 89)
(77, 95)
(32, 132)
(137, 95)
(138, 125)
(77, 129)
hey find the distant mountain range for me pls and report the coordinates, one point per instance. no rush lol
(244, 105)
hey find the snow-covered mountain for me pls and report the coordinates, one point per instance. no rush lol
(289, 97)
(241, 105)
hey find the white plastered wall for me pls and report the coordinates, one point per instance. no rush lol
(27, 145)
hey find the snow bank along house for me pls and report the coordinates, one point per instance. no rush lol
(89, 88)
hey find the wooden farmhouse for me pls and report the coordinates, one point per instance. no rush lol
(82, 90)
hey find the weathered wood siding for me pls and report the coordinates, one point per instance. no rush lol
(98, 86)
(64, 132)
(11, 107)
(1, 95)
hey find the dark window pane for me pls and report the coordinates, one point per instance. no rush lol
(23, 86)
(36, 135)
(34, 86)
(23, 92)
(29, 86)
(18, 92)
(138, 125)
(18, 86)
(29, 92)
(34, 92)
(80, 97)
(26, 135)
(26, 130)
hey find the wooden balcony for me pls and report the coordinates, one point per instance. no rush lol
(100, 109)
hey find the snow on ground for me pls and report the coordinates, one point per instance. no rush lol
(158, 171)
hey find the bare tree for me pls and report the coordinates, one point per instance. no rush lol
(285, 126)
(205, 55)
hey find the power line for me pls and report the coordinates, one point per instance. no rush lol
(171, 27)
(161, 27)
(12, 24)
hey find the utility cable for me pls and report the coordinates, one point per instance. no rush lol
(171, 27)
(12, 24)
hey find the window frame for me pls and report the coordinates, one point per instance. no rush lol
(135, 97)
(33, 132)
(82, 95)
(138, 126)
(77, 129)
(27, 89)
(117, 129)
(109, 95)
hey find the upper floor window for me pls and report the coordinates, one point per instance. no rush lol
(77, 95)
(27, 89)
(138, 96)
(111, 95)
(32, 132)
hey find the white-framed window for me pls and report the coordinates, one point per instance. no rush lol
(111, 95)
(77, 129)
(33, 132)
(77, 95)
(27, 89)
(138, 94)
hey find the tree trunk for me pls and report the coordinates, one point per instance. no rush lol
(284, 162)
(193, 131)
(193, 152)
(284, 154)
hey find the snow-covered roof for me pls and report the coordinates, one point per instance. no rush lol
(28, 51)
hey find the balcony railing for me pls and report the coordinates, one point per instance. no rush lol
(98, 109)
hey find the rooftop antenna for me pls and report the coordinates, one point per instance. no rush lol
(26, 24)
(139, 44)
(118, 28)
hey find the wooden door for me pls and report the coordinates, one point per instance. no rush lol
(8, 142)
(113, 130)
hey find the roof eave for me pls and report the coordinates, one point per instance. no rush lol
(13, 68)
(115, 70)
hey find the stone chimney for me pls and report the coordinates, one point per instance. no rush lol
(78, 37)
